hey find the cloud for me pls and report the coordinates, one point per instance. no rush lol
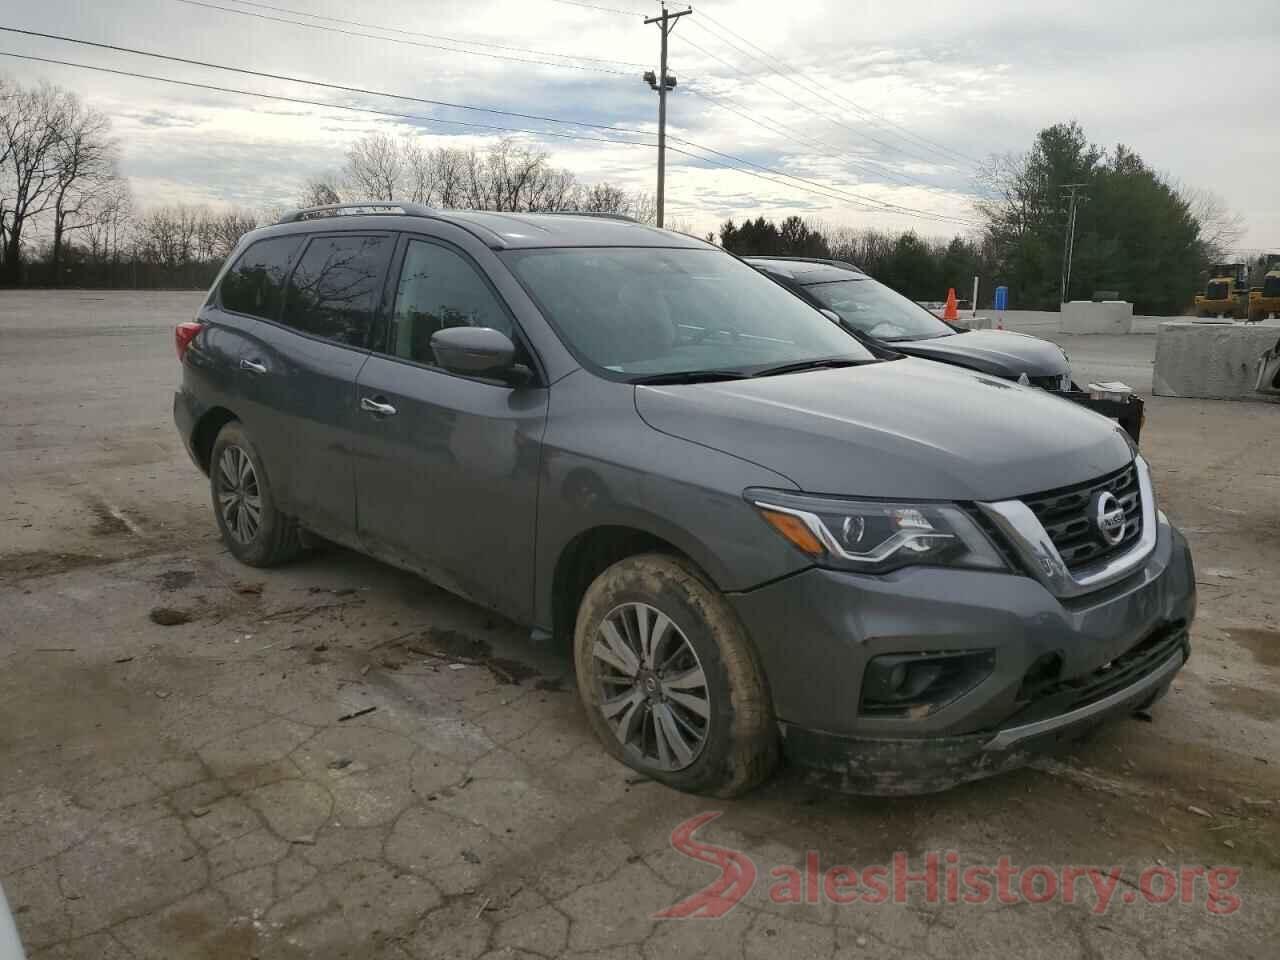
(883, 102)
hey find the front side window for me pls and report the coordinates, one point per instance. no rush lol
(255, 285)
(878, 311)
(439, 288)
(334, 291)
(648, 311)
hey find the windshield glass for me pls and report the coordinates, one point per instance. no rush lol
(877, 310)
(641, 311)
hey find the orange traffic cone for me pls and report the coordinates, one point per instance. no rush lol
(950, 312)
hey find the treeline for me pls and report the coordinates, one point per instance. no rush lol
(1137, 233)
(67, 217)
(919, 267)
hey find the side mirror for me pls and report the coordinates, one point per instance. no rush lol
(831, 315)
(475, 351)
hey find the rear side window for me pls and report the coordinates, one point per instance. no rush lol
(334, 290)
(255, 285)
(439, 288)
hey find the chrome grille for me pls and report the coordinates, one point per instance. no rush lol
(1064, 514)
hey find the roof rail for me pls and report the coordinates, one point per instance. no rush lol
(842, 264)
(367, 208)
(593, 213)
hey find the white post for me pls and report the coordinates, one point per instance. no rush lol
(973, 313)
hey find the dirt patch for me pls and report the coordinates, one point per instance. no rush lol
(506, 670)
(108, 524)
(42, 563)
(1259, 704)
(172, 580)
(454, 645)
(170, 616)
(1263, 644)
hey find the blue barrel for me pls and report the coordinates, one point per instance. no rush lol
(1002, 298)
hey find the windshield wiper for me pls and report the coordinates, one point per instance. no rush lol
(819, 364)
(690, 376)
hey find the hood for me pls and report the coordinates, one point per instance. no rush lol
(997, 352)
(907, 429)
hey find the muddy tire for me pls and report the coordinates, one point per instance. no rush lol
(253, 529)
(670, 681)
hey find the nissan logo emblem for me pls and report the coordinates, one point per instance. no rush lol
(1108, 516)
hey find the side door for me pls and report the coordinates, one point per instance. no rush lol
(312, 357)
(447, 474)
(251, 292)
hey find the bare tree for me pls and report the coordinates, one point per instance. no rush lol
(321, 191)
(419, 171)
(32, 123)
(450, 176)
(85, 164)
(374, 167)
(1220, 227)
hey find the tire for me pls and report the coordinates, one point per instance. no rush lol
(732, 749)
(262, 540)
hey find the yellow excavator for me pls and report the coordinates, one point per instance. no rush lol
(1227, 292)
(1264, 298)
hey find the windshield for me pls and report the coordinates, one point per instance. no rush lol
(877, 310)
(644, 311)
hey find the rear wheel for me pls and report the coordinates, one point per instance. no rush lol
(670, 681)
(253, 529)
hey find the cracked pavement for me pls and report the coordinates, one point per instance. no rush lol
(337, 759)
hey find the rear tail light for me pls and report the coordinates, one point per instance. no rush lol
(183, 334)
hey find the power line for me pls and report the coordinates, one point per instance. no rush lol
(905, 180)
(803, 106)
(849, 104)
(829, 193)
(431, 36)
(780, 129)
(321, 83)
(411, 43)
(881, 169)
(217, 88)
(852, 104)
(596, 6)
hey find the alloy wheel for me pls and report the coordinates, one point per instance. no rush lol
(652, 690)
(239, 497)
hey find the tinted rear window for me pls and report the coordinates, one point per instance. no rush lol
(333, 293)
(255, 285)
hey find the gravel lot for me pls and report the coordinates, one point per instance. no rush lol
(336, 759)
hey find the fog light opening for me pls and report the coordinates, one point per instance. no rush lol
(916, 684)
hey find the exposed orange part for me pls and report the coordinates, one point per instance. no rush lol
(794, 529)
(950, 313)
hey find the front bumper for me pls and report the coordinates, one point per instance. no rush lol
(816, 631)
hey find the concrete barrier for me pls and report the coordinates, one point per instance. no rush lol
(1086, 316)
(1211, 360)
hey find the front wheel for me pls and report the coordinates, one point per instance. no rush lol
(253, 529)
(670, 681)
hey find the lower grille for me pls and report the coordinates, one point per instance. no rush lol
(1052, 697)
(1064, 514)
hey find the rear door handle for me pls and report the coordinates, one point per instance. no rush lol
(253, 366)
(377, 406)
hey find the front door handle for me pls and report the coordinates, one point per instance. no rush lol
(253, 366)
(377, 406)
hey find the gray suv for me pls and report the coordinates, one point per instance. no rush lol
(762, 540)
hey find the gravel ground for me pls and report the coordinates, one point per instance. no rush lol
(336, 759)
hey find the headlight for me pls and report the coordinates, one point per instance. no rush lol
(873, 536)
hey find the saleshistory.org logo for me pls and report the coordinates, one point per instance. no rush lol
(938, 877)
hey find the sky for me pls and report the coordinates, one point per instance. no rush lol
(856, 113)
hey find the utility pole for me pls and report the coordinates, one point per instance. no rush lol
(1069, 242)
(662, 83)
